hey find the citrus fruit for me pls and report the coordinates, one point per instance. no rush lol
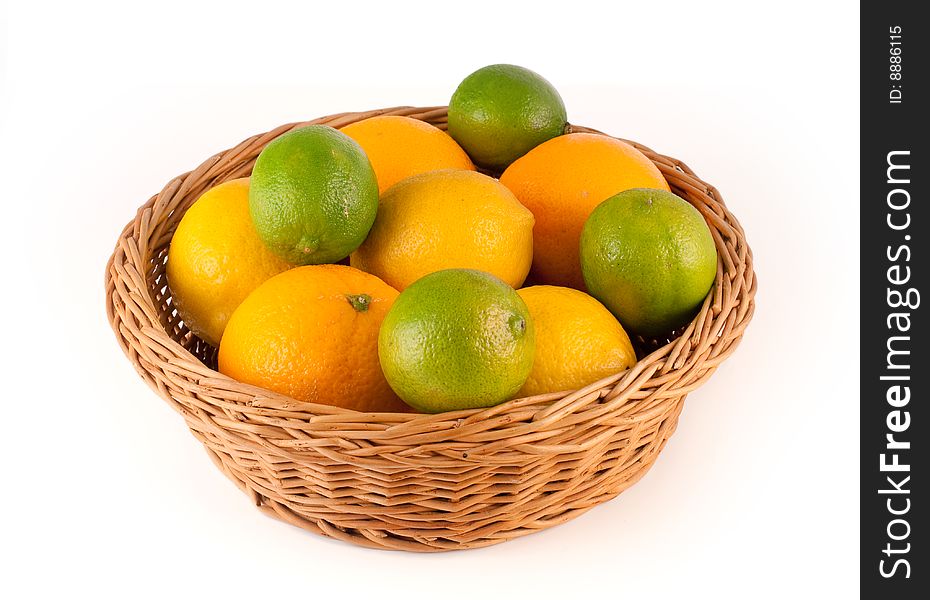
(578, 341)
(448, 219)
(500, 112)
(561, 181)
(311, 333)
(399, 147)
(216, 259)
(457, 339)
(314, 195)
(649, 256)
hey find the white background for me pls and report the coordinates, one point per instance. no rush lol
(105, 492)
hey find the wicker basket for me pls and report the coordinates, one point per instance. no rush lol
(419, 482)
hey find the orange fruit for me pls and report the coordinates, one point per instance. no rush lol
(561, 181)
(399, 147)
(311, 333)
(216, 259)
(448, 220)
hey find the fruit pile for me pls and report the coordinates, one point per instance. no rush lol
(390, 266)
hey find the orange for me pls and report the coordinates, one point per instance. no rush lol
(216, 259)
(448, 220)
(561, 181)
(399, 147)
(311, 333)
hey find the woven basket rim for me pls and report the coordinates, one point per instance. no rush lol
(662, 364)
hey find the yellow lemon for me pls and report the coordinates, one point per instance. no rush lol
(216, 259)
(578, 341)
(449, 219)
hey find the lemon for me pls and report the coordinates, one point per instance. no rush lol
(578, 341)
(449, 219)
(456, 339)
(216, 259)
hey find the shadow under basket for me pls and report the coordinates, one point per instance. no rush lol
(450, 481)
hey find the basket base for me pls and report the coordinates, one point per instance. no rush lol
(604, 482)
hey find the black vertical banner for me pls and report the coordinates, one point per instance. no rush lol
(894, 270)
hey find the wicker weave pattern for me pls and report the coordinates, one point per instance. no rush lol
(419, 482)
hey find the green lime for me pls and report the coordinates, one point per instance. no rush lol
(649, 256)
(313, 195)
(457, 339)
(501, 112)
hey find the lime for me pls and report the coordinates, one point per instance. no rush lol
(501, 112)
(649, 256)
(457, 339)
(313, 195)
